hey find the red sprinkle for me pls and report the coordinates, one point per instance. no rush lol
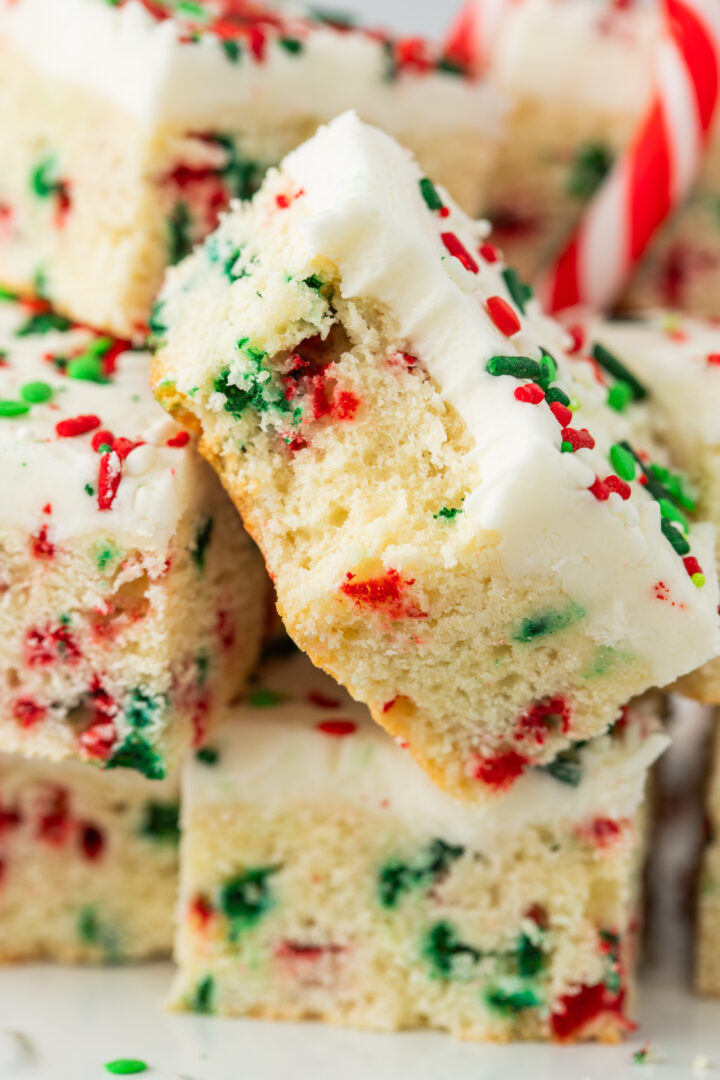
(714, 359)
(40, 546)
(98, 740)
(336, 727)
(575, 1011)
(458, 250)
(614, 483)
(541, 718)
(76, 425)
(489, 253)
(27, 712)
(500, 771)
(102, 438)
(692, 565)
(503, 315)
(201, 911)
(599, 490)
(181, 439)
(109, 477)
(562, 414)
(579, 438)
(577, 335)
(531, 393)
(323, 702)
(384, 593)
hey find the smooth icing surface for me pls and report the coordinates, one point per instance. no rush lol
(275, 756)
(362, 208)
(52, 481)
(156, 69)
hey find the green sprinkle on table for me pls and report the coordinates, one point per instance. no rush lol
(13, 408)
(125, 1066)
(36, 392)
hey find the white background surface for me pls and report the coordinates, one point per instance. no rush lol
(76, 1020)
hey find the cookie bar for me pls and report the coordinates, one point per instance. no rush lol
(324, 876)
(577, 79)
(88, 863)
(131, 600)
(129, 125)
(678, 360)
(450, 504)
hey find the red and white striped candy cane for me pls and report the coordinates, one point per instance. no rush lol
(654, 175)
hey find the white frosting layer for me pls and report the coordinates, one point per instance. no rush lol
(39, 469)
(150, 69)
(275, 759)
(575, 52)
(362, 208)
(679, 358)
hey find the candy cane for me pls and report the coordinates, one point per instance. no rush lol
(654, 175)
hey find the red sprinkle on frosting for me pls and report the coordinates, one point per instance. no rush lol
(181, 439)
(503, 315)
(458, 250)
(489, 253)
(562, 414)
(531, 393)
(579, 438)
(76, 425)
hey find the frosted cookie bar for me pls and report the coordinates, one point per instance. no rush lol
(131, 600)
(324, 876)
(451, 506)
(678, 360)
(88, 863)
(577, 79)
(129, 125)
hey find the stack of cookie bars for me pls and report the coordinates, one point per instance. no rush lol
(470, 515)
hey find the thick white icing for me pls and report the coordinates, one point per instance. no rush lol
(38, 468)
(584, 55)
(670, 352)
(275, 759)
(362, 209)
(145, 68)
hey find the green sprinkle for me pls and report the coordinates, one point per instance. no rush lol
(443, 951)
(36, 392)
(202, 999)
(126, 1066)
(520, 367)
(89, 489)
(430, 194)
(566, 768)
(548, 622)
(519, 291)
(623, 462)
(397, 878)
(87, 367)
(530, 957)
(208, 755)
(137, 753)
(247, 898)
(291, 45)
(262, 699)
(697, 579)
(676, 486)
(7, 294)
(231, 50)
(313, 282)
(509, 1002)
(619, 396)
(43, 178)
(161, 821)
(179, 233)
(590, 167)
(448, 512)
(41, 323)
(142, 707)
(670, 511)
(566, 448)
(13, 408)
(201, 543)
(92, 931)
(549, 365)
(610, 363)
(675, 537)
(554, 393)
